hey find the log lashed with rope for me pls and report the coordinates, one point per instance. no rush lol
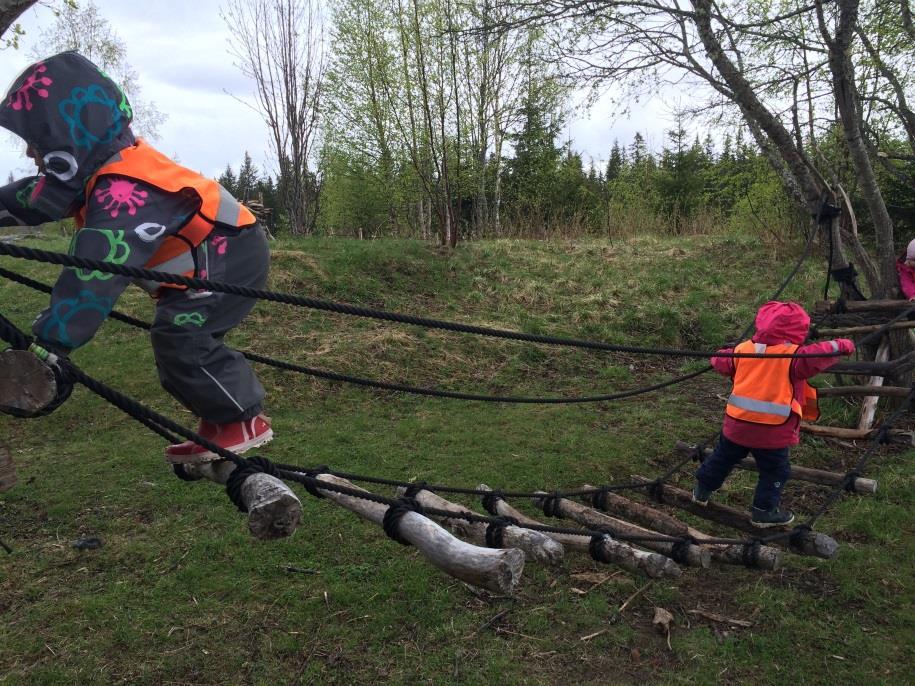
(626, 556)
(497, 570)
(802, 542)
(273, 509)
(764, 557)
(535, 545)
(858, 484)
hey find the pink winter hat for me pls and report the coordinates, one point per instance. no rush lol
(910, 251)
(777, 322)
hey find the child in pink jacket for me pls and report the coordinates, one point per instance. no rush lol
(905, 267)
(764, 410)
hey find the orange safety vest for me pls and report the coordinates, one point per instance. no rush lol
(144, 163)
(763, 392)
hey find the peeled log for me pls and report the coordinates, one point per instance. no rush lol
(855, 306)
(7, 470)
(27, 384)
(573, 541)
(617, 552)
(804, 543)
(274, 511)
(497, 570)
(765, 558)
(690, 555)
(815, 476)
(535, 545)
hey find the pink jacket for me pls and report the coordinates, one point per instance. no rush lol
(778, 322)
(906, 278)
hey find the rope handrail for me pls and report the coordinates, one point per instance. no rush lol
(65, 260)
(392, 386)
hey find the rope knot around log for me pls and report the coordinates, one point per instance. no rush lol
(656, 490)
(798, 532)
(249, 466)
(309, 482)
(698, 453)
(679, 551)
(849, 481)
(599, 498)
(495, 532)
(596, 547)
(413, 489)
(392, 516)
(551, 504)
(750, 553)
(489, 501)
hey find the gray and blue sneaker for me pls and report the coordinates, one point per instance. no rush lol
(774, 517)
(701, 495)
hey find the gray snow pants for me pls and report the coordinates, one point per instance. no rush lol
(195, 366)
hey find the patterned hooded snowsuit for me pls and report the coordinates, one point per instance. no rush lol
(78, 121)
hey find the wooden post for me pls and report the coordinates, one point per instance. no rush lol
(7, 469)
(618, 552)
(535, 545)
(274, 511)
(497, 570)
(805, 543)
(27, 384)
(765, 558)
(869, 404)
(816, 476)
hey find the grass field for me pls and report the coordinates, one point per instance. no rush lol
(181, 594)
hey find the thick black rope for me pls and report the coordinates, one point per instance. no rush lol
(21, 252)
(390, 386)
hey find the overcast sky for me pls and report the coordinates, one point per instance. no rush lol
(179, 48)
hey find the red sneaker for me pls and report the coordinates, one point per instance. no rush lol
(235, 436)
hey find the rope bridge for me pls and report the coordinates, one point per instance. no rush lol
(396, 508)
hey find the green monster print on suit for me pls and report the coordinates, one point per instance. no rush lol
(194, 318)
(118, 252)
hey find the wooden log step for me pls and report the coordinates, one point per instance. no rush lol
(849, 331)
(865, 390)
(864, 368)
(765, 557)
(274, 511)
(618, 552)
(535, 545)
(496, 570)
(570, 541)
(7, 469)
(816, 476)
(810, 543)
(896, 435)
(856, 306)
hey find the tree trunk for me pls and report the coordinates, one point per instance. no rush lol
(10, 10)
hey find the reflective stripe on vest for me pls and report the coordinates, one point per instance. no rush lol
(763, 392)
(147, 165)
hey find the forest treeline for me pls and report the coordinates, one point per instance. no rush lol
(444, 120)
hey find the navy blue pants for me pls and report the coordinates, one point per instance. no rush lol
(774, 470)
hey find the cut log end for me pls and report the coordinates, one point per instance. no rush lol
(27, 384)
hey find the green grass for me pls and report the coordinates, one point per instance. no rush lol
(181, 594)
